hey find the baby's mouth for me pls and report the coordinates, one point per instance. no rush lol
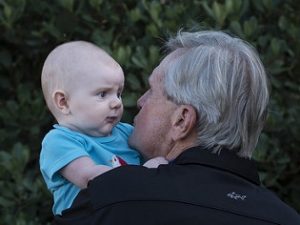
(111, 119)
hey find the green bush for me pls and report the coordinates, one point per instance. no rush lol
(133, 32)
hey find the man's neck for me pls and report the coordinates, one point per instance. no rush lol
(177, 149)
(181, 145)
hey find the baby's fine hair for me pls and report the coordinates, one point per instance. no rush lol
(61, 65)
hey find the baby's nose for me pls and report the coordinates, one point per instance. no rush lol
(116, 103)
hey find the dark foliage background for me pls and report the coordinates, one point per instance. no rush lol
(133, 32)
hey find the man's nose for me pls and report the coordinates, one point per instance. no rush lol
(141, 101)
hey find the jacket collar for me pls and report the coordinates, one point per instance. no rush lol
(225, 160)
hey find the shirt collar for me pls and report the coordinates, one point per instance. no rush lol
(224, 160)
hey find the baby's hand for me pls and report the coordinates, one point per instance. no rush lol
(155, 162)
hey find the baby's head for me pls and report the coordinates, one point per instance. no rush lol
(82, 86)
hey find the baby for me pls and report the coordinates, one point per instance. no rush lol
(82, 86)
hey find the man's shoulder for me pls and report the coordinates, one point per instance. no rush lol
(188, 191)
(186, 186)
(125, 184)
(273, 208)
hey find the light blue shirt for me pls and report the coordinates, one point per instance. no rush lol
(62, 145)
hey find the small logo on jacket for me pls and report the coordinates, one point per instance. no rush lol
(236, 196)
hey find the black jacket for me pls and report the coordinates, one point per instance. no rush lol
(198, 187)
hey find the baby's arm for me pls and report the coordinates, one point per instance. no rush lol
(81, 170)
(155, 162)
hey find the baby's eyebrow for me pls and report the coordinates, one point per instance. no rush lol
(101, 89)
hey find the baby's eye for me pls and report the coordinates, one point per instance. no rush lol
(102, 94)
(119, 95)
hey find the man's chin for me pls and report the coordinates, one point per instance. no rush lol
(131, 141)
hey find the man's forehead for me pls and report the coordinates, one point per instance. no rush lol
(159, 71)
(173, 55)
(156, 75)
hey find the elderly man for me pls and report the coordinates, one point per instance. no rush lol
(204, 112)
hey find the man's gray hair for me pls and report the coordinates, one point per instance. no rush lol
(223, 78)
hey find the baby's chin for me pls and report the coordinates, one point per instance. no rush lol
(106, 131)
(98, 133)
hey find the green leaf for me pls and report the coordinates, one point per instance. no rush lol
(95, 3)
(122, 54)
(237, 28)
(283, 23)
(275, 46)
(268, 4)
(208, 10)
(229, 4)
(67, 4)
(130, 99)
(219, 13)
(250, 27)
(5, 202)
(7, 11)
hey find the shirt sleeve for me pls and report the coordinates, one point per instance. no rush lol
(58, 150)
(125, 128)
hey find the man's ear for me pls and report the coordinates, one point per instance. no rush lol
(183, 121)
(61, 101)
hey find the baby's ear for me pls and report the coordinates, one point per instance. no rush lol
(61, 101)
